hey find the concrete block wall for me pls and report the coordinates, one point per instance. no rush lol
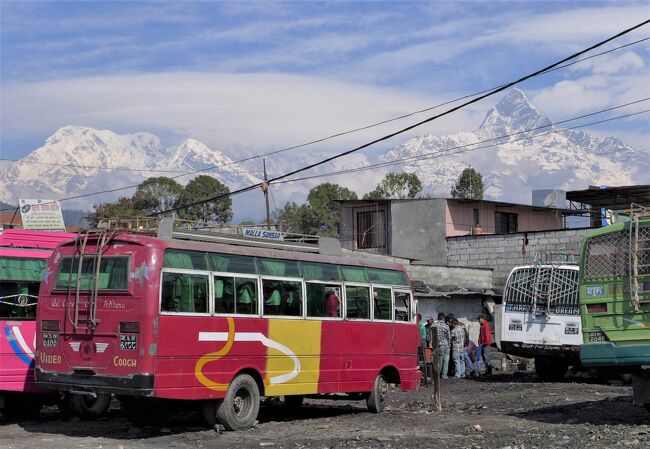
(502, 252)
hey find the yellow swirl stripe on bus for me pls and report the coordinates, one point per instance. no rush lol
(212, 356)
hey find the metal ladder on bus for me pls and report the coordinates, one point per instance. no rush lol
(103, 239)
(639, 255)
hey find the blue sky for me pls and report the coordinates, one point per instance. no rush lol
(249, 77)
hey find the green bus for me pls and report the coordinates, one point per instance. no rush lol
(615, 301)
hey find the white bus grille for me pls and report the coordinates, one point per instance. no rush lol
(543, 289)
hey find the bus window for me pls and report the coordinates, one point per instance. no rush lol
(282, 297)
(382, 303)
(357, 302)
(113, 273)
(323, 300)
(277, 267)
(224, 294)
(246, 300)
(402, 306)
(184, 293)
(387, 277)
(320, 271)
(20, 279)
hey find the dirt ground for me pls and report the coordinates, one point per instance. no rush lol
(504, 411)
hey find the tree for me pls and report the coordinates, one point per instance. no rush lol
(396, 186)
(201, 188)
(320, 216)
(469, 185)
(155, 195)
(122, 208)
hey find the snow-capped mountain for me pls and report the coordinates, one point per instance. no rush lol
(546, 157)
(76, 160)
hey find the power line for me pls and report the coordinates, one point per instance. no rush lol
(422, 122)
(451, 152)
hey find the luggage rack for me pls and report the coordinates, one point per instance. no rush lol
(639, 251)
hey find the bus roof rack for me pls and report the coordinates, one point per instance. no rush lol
(324, 245)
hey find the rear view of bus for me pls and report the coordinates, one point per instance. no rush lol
(615, 301)
(539, 317)
(162, 322)
(23, 256)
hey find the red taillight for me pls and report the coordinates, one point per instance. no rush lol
(50, 325)
(597, 308)
(129, 327)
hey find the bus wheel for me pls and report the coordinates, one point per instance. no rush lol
(22, 405)
(293, 402)
(88, 406)
(377, 399)
(550, 369)
(144, 411)
(240, 406)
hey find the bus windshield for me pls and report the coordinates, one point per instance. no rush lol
(20, 279)
(113, 273)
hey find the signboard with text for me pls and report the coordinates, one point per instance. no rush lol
(262, 234)
(41, 215)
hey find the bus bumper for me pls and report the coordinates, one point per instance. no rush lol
(609, 354)
(138, 385)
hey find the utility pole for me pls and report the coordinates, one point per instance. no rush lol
(265, 189)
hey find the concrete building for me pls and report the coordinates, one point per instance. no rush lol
(418, 229)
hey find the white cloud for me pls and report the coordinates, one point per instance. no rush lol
(250, 112)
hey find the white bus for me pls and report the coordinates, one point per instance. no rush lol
(540, 317)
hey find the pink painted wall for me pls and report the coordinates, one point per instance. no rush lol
(460, 217)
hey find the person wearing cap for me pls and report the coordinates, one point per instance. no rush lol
(484, 343)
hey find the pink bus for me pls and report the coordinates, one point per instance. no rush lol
(161, 322)
(23, 258)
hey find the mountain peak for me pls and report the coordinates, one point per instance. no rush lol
(513, 113)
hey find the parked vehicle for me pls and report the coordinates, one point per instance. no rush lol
(162, 322)
(615, 300)
(23, 257)
(539, 316)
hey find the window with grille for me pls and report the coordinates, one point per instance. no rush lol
(607, 255)
(371, 226)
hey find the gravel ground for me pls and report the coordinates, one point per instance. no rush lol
(503, 411)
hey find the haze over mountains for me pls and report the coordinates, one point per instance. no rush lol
(77, 160)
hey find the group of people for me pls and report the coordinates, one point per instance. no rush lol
(453, 343)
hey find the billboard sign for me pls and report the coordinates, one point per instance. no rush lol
(41, 215)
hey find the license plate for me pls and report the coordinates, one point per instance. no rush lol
(570, 331)
(515, 327)
(128, 342)
(595, 337)
(50, 340)
(596, 290)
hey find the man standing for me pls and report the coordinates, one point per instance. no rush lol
(458, 342)
(484, 342)
(444, 340)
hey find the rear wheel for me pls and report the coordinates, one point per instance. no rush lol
(550, 369)
(294, 402)
(239, 408)
(377, 400)
(89, 406)
(144, 411)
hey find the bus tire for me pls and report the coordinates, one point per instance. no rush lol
(89, 407)
(144, 411)
(550, 369)
(377, 399)
(22, 405)
(239, 408)
(294, 402)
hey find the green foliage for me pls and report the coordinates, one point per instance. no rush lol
(320, 216)
(122, 208)
(396, 186)
(155, 195)
(203, 187)
(247, 223)
(469, 185)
